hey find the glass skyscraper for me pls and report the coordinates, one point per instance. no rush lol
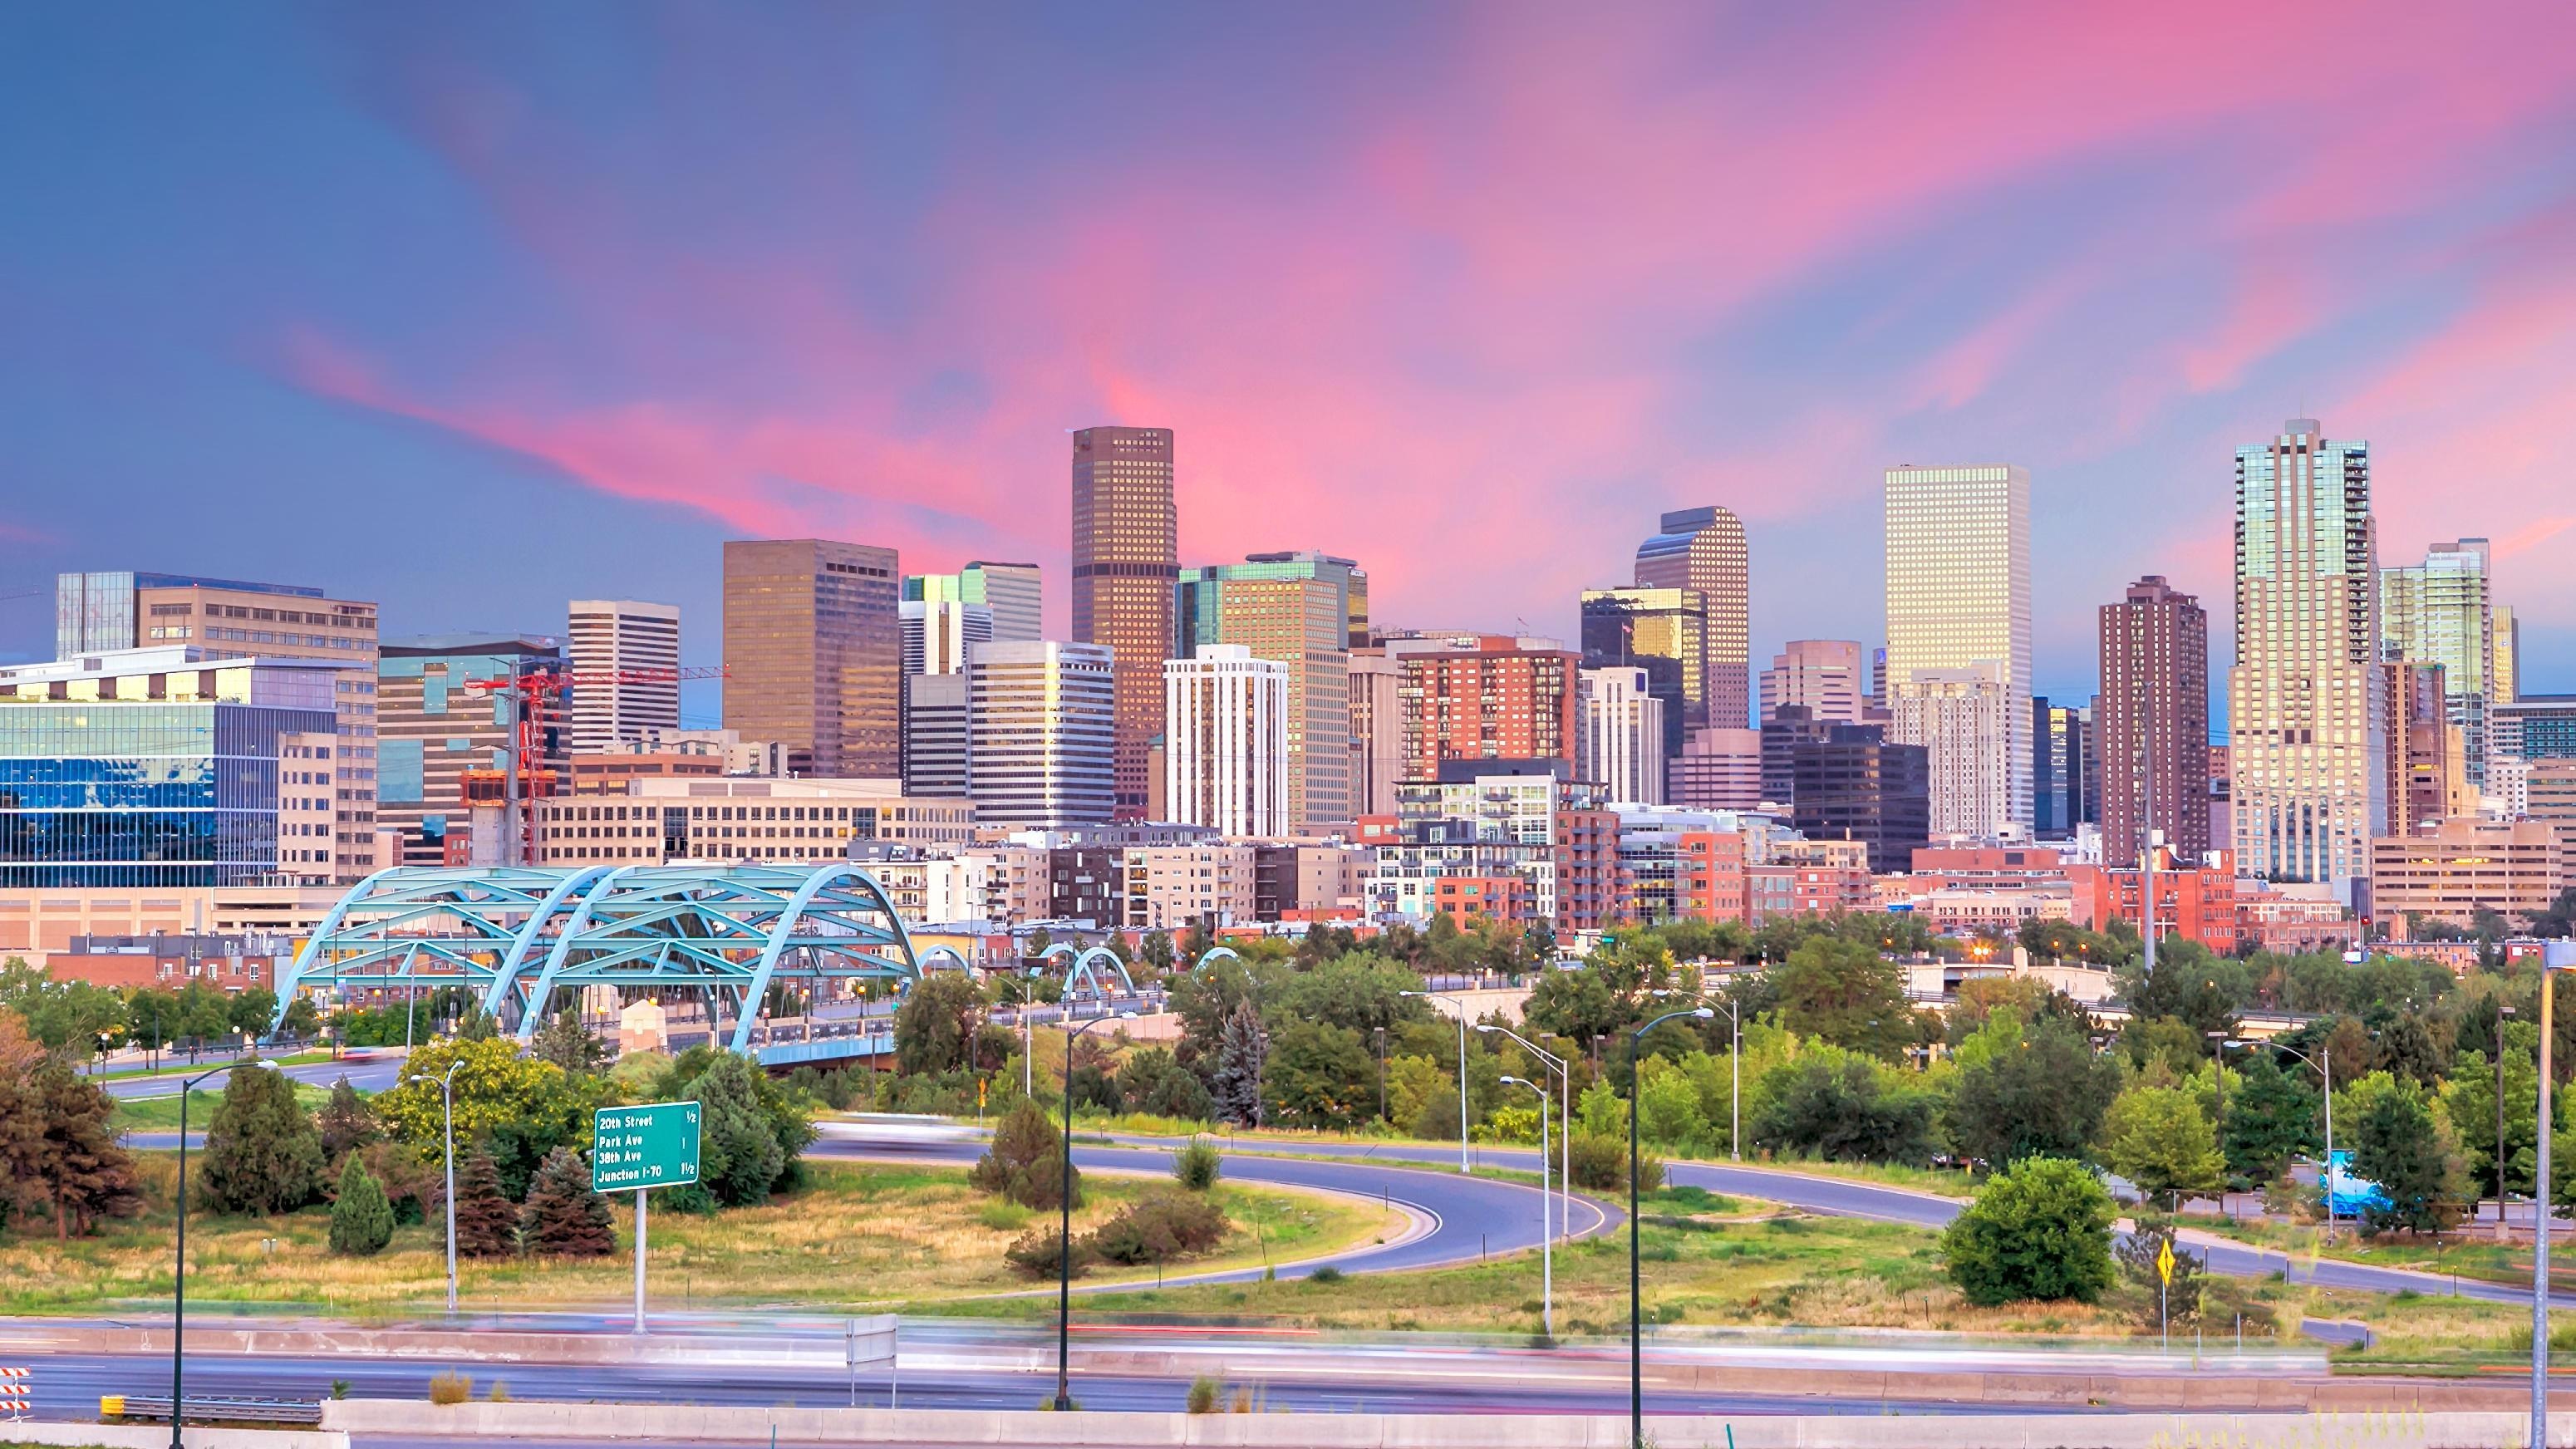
(1665, 633)
(2438, 612)
(1297, 609)
(1958, 604)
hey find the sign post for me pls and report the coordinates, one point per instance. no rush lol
(2164, 1291)
(638, 1149)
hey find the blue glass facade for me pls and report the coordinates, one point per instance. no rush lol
(141, 794)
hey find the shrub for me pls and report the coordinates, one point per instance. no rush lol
(1035, 1253)
(1026, 1161)
(362, 1222)
(450, 1388)
(500, 1393)
(2039, 1231)
(1003, 1215)
(262, 1152)
(564, 1216)
(1325, 1274)
(1196, 1165)
(1601, 1164)
(1204, 1392)
(1159, 1227)
(740, 1157)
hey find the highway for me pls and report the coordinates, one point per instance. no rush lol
(374, 1074)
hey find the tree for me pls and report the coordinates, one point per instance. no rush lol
(2408, 1149)
(1319, 1075)
(1158, 951)
(934, 1029)
(1577, 1004)
(1242, 1057)
(2272, 1117)
(738, 1155)
(522, 1108)
(2039, 1231)
(1153, 1081)
(564, 1217)
(344, 1122)
(250, 1011)
(2203, 991)
(2158, 1138)
(1846, 993)
(362, 1222)
(487, 1222)
(302, 1021)
(1025, 1161)
(1360, 992)
(1413, 1082)
(1837, 1105)
(263, 1154)
(59, 1151)
(564, 1042)
(2043, 1096)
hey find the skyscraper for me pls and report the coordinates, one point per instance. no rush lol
(1958, 599)
(813, 651)
(1014, 592)
(1663, 631)
(1703, 549)
(1620, 744)
(2307, 703)
(2063, 778)
(1377, 730)
(1294, 609)
(1822, 674)
(443, 746)
(2505, 685)
(936, 633)
(2151, 722)
(2438, 612)
(1718, 769)
(1040, 727)
(1126, 558)
(1226, 723)
(612, 637)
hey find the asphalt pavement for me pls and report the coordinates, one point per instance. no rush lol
(374, 1074)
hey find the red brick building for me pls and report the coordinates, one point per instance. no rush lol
(1505, 898)
(1711, 881)
(1587, 870)
(2197, 903)
(228, 963)
(1499, 699)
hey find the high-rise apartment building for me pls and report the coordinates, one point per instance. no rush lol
(2063, 780)
(1958, 599)
(1041, 726)
(1484, 697)
(813, 652)
(1014, 593)
(1126, 559)
(1702, 549)
(1662, 631)
(2151, 722)
(1377, 730)
(1718, 769)
(2439, 612)
(1620, 740)
(2307, 703)
(937, 633)
(633, 650)
(1294, 609)
(1967, 720)
(100, 612)
(444, 747)
(1823, 675)
(1226, 727)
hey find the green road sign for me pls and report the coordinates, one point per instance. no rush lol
(650, 1146)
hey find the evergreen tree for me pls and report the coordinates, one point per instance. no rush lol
(1025, 1162)
(81, 1174)
(1243, 1054)
(738, 1155)
(564, 1217)
(362, 1222)
(263, 1154)
(2271, 1118)
(564, 1041)
(2408, 1149)
(346, 1123)
(487, 1222)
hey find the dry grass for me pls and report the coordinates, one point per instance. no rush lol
(860, 1234)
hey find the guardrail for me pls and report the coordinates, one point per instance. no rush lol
(230, 1411)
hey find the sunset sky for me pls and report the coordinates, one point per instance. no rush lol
(472, 309)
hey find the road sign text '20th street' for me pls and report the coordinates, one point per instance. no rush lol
(649, 1146)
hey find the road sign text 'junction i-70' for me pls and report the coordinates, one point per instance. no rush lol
(655, 1145)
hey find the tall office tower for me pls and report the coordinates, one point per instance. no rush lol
(1958, 599)
(1718, 769)
(623, 637)
(936, 633)
(1878, 677)
(2062, 778)
(1377, 730)
(1788, 728)
(98, 612)
(1226, 725)
(2504, 684)
(1821, 674)
(1853, 785)
(2307, 705)
(2438, 612)
(1703, 549)
(1125, 563)
(1484, 697)
(935, 740)
(1041, 725)
(1966, 720)
(2427, 777)
(1014, 592)
(1620, 738)
(1359, 615)
(2151, 722)
(813, 652)
(1293, 609)
(1663, 632)
(444, 747)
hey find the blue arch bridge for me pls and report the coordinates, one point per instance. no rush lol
(523, 937)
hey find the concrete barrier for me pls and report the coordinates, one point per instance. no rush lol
(1037, 1430)
(157, 1436)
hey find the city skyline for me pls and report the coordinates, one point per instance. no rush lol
(196, 343)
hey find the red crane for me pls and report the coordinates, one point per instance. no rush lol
(536, 697)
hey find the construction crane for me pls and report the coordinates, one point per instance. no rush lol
(535, 699)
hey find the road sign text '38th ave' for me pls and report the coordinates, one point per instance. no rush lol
(655, 1145)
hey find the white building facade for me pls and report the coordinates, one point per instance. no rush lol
(1619, 739)
(1225, 741)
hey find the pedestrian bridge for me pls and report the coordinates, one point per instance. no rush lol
(526, 937)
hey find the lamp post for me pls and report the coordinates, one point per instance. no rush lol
(1461, 1008)
(1378, 1034)
(1064, 1244)
(2218, 1075)
(1636, 1314)
(1546, 1243)
(2554, 956)
(1565, 1140)
(179, 1278)
(2325, 1069)
(1735, 1091)
(447, 1099)
(2502, 1012)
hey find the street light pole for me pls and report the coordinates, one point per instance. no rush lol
(2555, 955)
(1565, 1118)
(1064, 1244)
(1636, 1313)
(179, 1280)
(1461, 1008)
(2502, 1011)
(447, 1098)
(1546, 1243)
(2324, 1063)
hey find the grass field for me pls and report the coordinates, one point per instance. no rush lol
(161, 1114)
(858, 1235)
